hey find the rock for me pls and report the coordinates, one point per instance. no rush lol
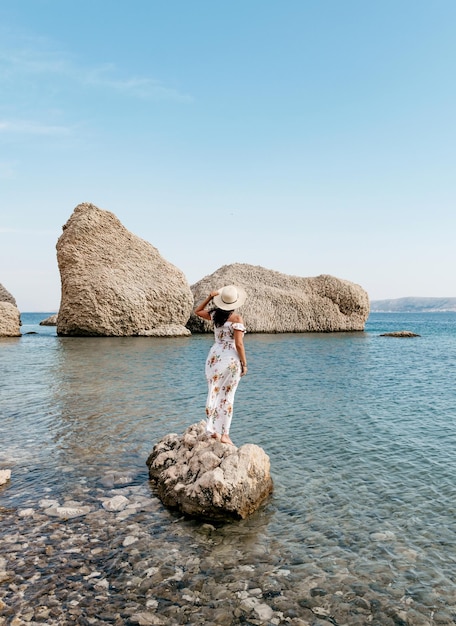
(117, 503)
(145, 618)
(400, 333)
(129, 540)
(263, 611)
(5, 296)
(114, 283)
(279, 303)
(46, 503)
(50, 321)
(207, 479)
(67, 512)
(167, 330)
(113, 477)
(386, 535)
(5, 476)
(10, 320)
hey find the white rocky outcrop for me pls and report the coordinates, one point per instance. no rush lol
(10, 320)
(205, 478)
(280, 303)
(5, 296)
(114, 283)
(50, 321)
(10, 317)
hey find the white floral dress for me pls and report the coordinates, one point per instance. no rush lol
(223, 372)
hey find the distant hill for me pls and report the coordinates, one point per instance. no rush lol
(413, 305)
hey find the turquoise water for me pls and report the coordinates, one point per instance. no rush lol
(360, 430)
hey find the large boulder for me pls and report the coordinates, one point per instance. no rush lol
(114, 283)
(205, 478)
(10, 317)
(5, 296)
(280, 303)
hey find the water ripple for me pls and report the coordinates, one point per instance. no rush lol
(360, 431)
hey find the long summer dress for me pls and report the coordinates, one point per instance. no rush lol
(223, 373)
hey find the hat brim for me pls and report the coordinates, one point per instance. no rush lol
(242, 296)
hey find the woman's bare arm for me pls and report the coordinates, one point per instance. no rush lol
(239, 343)
(200, 309)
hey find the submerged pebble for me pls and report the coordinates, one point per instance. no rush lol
(5, 476)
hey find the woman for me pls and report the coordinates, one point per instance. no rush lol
(226, 361)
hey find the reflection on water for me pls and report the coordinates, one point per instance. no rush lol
(360, 431)
(109, 400)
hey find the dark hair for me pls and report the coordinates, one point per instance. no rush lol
(219, 316)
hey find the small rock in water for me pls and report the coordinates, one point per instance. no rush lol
(46, 504)
(144, 619)
(67, 512)
(5, 475)
(50, 321)
(117, 503)
(129, 540)
(264, 612)
(102, 584)
(386, 535)
(400, 333)
(113, 478)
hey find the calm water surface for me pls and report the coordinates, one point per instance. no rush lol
(360, 430)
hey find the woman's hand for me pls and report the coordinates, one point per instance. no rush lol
(200, 309)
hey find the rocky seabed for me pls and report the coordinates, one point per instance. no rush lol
(118, 557)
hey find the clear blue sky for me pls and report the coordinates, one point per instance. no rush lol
(306, 136)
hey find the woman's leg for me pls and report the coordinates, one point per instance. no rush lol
(225, 400)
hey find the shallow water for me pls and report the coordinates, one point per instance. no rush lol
(361, 433)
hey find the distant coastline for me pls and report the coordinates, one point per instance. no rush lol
(414, 305)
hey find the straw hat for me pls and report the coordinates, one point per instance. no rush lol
(230, 297)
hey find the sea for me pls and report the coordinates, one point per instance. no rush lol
(360, 430)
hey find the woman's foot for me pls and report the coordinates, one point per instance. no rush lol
(215, 436)
(226, 439)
